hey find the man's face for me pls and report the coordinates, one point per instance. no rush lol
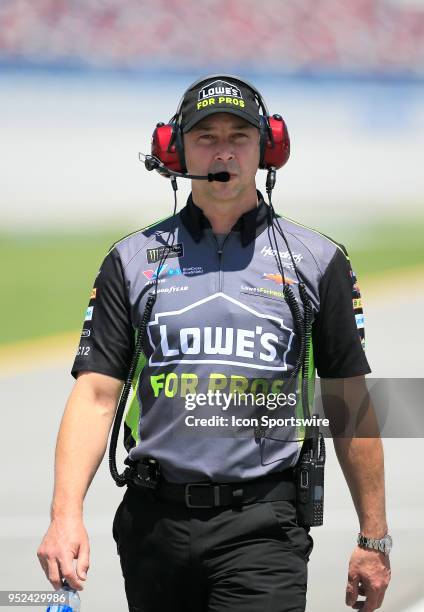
(223, 142)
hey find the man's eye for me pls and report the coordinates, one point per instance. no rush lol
(206, 137)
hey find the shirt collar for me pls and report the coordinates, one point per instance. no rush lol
(250, 224)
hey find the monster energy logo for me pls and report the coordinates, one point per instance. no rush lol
(154, 255)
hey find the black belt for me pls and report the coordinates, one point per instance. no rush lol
(278, 486)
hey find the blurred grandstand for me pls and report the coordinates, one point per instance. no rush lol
(355, 37)
(82, 82)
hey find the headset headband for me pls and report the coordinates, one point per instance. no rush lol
(261, 101)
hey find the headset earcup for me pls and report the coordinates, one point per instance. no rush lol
(179, 146)
(263, 138)
(166, 147)
(275, 154)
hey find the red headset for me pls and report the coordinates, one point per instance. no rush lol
(168, 144)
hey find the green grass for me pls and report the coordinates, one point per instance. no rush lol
(388, 246)
(47, 279)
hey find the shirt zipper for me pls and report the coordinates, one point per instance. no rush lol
(220, 270)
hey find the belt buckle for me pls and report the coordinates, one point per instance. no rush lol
(187, 495)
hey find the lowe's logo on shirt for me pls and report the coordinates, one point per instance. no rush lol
(254, 340)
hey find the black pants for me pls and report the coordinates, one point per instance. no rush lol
(178, 559)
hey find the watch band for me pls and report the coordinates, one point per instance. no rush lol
(384, 544)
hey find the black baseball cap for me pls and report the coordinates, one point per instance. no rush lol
(219, 94)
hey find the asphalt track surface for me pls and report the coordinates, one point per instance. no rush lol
(32, 404)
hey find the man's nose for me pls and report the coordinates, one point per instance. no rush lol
(224, 153)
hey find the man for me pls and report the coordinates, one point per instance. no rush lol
(222, 319)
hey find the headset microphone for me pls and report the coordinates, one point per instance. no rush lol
(153, 163)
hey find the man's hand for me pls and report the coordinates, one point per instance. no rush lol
(66, 539)
(369, 575)
(80, 447)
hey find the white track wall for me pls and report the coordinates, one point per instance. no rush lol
(69, 148)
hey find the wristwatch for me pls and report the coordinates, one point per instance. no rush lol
(384, 544)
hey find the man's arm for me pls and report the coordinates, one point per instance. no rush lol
(81, 445)
(362, 462)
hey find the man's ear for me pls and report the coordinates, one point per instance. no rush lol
(184, 144)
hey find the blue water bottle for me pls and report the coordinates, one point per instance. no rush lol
(74, 604)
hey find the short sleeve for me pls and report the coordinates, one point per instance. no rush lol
(107, 337)
(338, 330)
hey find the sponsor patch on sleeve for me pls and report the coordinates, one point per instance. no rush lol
(359, 321)
(89, 313)
(357, 308)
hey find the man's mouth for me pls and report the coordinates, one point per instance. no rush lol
(233, 175)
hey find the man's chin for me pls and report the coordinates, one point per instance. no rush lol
(225, 191)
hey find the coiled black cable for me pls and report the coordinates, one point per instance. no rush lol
(124, 478)
(307, 346)
(297, 317)
(303, 324)
(299, 321)
(121, 479)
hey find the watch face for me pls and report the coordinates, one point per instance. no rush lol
(388, 543)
